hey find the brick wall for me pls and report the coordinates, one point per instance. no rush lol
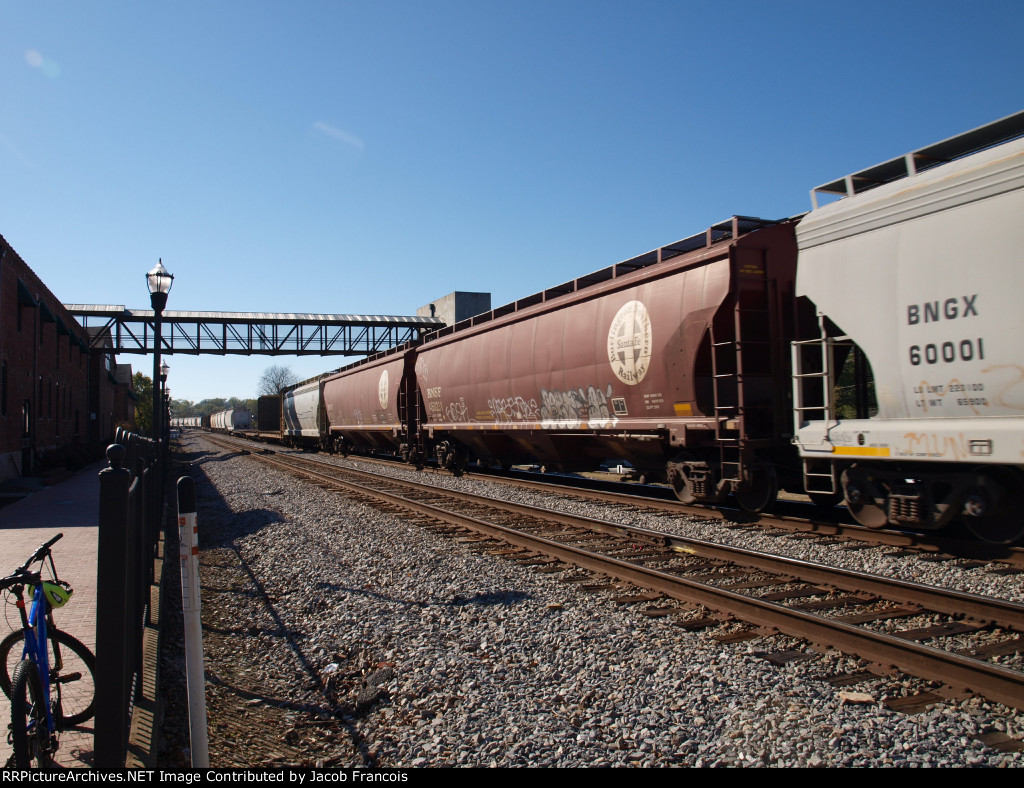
(45, 372)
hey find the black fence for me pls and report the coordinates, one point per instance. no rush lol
(131, 515)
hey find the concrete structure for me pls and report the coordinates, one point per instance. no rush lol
(456, 307)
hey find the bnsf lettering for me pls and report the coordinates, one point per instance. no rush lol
(934, 311)
(948, 352)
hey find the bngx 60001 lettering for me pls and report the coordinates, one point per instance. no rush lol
(868, 351)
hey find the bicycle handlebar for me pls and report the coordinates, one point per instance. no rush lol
(21, 574)
(39, 554)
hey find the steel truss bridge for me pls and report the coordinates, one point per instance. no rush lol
(115, 329)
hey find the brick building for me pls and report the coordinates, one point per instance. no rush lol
(58, 405)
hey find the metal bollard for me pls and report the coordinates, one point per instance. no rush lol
(188, 534)
(112, 625)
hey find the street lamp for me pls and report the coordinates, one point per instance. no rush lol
(165, 414)
(159, 281)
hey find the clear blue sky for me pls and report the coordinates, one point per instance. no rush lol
(369, 157)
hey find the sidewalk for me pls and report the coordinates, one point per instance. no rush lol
(72, 508)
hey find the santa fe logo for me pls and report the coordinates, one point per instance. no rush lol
(382, 390)
(629, 343)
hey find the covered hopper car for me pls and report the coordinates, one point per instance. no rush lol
(676, 361)
(302, 421)
(910, 393)
(231, 420)
(366, 406)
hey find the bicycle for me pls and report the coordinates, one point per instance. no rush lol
(49, 692)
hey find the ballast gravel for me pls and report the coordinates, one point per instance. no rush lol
(383, 644)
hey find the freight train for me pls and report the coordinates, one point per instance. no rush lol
(867, 351)
(232, 420)
(190, 422)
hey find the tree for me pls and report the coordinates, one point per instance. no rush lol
(142, 387)
(276, 379)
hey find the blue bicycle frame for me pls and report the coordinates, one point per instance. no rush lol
(36, 647)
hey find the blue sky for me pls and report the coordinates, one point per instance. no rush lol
(369, 157)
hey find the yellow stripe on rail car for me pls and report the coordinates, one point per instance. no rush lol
(862, 451)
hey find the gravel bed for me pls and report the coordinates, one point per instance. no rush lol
(961, 574)
(432, 655)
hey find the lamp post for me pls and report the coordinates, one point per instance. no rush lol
(159, 281)
(165, 414)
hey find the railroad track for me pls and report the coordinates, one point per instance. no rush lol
(792, 517)
(936, 634)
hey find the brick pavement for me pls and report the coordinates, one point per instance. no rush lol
(70, 507)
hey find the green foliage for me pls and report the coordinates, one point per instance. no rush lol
(142, 386)
(207, 407)
(855, 375)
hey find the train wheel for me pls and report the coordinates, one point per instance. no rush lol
(682, 486)
(457, 460)
(1005, 522)
(760, 489)
(861, 499)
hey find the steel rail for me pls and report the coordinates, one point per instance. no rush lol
(927, 542)
(959, 672)
(948, 601)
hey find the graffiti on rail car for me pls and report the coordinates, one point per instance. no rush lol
(576, 407)
(510, 409)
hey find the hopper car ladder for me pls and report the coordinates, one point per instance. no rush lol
(814, 377)
(736, 349)
(410, 415)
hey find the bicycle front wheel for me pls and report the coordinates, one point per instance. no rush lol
(75, 680)
(30, 735)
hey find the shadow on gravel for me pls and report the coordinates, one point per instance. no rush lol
(224, 530)
(491, 599)
(225, 457)
(483, 599)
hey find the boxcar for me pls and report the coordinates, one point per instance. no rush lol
(268, 416)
